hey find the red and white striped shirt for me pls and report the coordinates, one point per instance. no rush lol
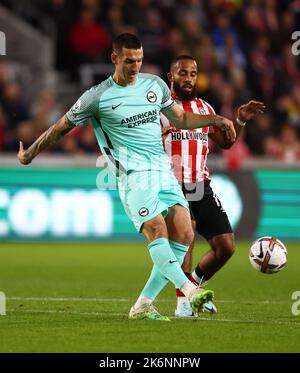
(188, 149)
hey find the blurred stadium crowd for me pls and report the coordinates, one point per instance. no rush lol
(243, 50)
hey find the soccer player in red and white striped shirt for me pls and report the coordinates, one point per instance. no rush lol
(188, 150)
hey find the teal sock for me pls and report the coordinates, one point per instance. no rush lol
(179, 250)
(157, 281)
(166, 261)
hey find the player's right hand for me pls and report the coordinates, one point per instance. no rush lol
(22, 156)
(226, 125)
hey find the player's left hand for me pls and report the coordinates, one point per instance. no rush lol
(249, 110)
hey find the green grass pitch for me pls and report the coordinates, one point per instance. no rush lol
(76, 298)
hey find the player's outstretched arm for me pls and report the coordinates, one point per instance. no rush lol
(48, 138)
(245, 113)
(187, 120)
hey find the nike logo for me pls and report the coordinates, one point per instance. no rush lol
(261, 254)
(115, 106)
(172, 261)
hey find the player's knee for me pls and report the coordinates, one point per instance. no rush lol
(228, 248)
(187, 236)
(225, 248)
(156, 229)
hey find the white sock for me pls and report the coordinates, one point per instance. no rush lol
(142, 300)
(181, 300)
(187, 287)
(196, 278)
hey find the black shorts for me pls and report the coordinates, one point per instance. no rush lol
(207, 211)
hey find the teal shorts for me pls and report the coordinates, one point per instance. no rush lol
(146, 194)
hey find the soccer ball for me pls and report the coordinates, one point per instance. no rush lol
(268, 255)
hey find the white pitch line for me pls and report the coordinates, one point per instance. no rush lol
(66, 299)
(213, 318)
(66, 312)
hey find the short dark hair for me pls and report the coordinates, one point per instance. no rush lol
(126, 40)
(182, 57)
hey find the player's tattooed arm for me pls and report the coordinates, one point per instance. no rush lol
(48, 138)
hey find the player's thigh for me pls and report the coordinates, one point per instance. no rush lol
(179, 225)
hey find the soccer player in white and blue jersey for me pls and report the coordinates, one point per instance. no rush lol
(124, 111)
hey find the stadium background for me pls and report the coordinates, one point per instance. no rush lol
(55, 49)
(58, 48)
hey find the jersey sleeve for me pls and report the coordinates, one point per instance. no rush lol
(167, 100)
(86, 107)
